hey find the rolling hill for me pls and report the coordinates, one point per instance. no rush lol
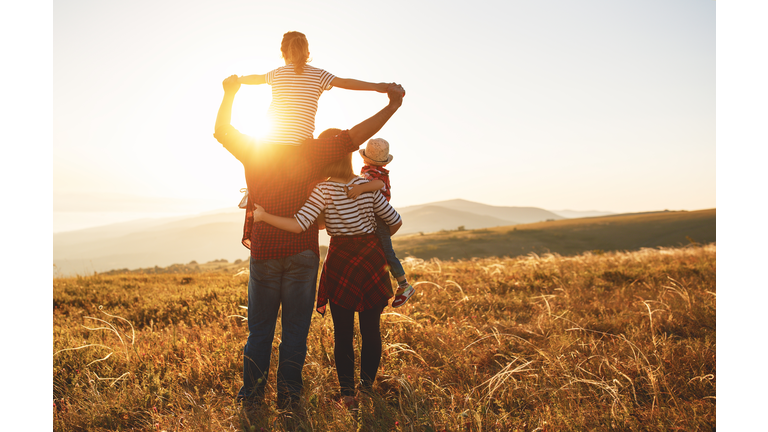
(216, 235)
(566, 237)
(513, 215)
(429, 218)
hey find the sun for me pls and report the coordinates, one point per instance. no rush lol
(258, 126)
(249, 113)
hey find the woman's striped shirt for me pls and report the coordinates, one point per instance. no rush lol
(294, 102)
(345, 216)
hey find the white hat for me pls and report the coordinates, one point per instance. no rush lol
(376, 152)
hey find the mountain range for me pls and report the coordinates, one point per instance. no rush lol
(216, 235)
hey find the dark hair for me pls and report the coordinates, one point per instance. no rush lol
(295, 49)
(329, 133)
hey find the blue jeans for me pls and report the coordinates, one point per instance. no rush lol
(289, 282)
(382, 232)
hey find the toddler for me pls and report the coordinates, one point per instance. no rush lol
(376, 156)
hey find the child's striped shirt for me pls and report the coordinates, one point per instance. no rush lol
(294, 102)
(345, 216)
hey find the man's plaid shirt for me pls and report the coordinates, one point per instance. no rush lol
(280, 179)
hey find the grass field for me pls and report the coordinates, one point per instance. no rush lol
(597, 341)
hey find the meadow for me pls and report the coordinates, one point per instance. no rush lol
(596, 341)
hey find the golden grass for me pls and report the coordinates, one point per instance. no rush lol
(612, 341)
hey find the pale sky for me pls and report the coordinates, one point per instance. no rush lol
(583, 105)
(669, 68)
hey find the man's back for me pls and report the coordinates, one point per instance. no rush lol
(280, 179)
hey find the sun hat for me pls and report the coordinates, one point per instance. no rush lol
(376, 152)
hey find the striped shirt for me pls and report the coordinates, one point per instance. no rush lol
(294, 102)
(345, 216)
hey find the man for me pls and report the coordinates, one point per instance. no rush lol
(283, 265)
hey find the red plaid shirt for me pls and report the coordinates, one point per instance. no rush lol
(280, 179)
(355, 274)
(374, 172)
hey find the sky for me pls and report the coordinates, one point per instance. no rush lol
(31, 108)
(581, 105)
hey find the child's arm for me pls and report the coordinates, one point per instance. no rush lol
(356, 190)
(353, 84)
(252, 79)
(394, 228)
(283, 223)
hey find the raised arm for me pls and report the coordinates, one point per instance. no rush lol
(368, 128)
(252, 79)
(284, 223)
(224, 117)
(356, 190)
(238, 144)
(353, 84)
(322, 151)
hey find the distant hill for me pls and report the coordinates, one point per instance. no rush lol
(150, 248)
(150, 242)
(216, 235)
(514, 215)
(573, 214)
(567, 236)
(431, 218)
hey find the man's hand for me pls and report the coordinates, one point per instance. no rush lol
(396, 92)
(367, 128)
(231, 84)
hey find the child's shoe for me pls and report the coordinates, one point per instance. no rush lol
(403, 296)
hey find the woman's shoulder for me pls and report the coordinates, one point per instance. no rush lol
(329, 185)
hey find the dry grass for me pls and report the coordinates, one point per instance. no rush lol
(613, 341)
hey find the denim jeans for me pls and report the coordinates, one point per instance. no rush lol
(382, 232)
(289, 282)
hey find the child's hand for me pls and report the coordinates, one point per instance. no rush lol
(231, 84)
(258, 213)
(354, 191)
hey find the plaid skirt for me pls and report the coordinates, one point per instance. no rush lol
(355, 274)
